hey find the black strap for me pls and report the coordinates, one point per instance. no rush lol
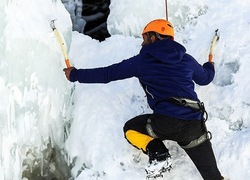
(194, 105)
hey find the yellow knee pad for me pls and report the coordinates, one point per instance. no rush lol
(137, 139)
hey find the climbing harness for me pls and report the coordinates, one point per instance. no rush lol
(149, 129)
(195, 106)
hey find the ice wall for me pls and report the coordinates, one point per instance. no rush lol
(128, 18)
(34, 94)
(74, 7)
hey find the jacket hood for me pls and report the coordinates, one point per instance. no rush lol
(166, 51)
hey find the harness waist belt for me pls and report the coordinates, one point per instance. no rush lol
(195, 105)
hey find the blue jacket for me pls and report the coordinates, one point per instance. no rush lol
(164, 70)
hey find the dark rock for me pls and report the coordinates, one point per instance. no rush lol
(95, 13)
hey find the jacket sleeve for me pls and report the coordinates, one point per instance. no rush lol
(203, 75)
(125, 69)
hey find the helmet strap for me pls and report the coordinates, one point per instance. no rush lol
(158, 36)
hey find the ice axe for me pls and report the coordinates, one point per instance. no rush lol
(215, 39)
(61, 42)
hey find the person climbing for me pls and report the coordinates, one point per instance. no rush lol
(167, 75)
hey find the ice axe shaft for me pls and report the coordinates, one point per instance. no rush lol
(61, 42)
(215, 39)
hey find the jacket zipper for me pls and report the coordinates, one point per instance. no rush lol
(146, 89)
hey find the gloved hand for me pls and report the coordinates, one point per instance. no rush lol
(67, 72)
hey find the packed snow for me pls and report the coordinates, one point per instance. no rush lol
(38, 106)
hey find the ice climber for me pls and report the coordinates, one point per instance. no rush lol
(167, 75)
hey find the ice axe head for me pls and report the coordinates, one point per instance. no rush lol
(217, 34)
(52, 24)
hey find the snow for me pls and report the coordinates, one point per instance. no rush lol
(38, 104)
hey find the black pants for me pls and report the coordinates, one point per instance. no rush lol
(183, 132)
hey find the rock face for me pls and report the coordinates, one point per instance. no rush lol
(95, 13)
(89, 17)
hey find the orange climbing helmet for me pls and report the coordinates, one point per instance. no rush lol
(160, 26)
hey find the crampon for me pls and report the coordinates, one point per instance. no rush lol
(157, 169)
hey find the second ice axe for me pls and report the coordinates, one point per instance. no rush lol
(215, 39)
